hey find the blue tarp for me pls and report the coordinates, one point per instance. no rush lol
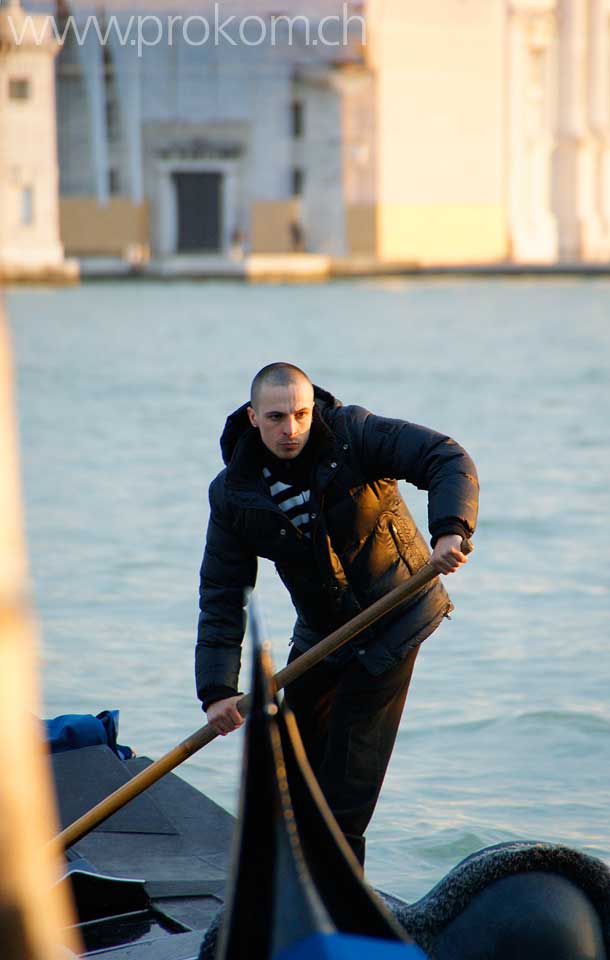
(73, 730)
(341, 946)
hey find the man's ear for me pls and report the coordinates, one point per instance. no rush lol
(252, 416)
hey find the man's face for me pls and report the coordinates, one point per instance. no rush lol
(283, 416)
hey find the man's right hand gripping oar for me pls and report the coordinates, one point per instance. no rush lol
(223, 715)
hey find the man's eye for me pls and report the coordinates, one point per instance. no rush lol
(302, 415)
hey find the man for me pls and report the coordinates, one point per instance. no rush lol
(311, 485)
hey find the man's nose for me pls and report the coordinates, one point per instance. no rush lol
(291, 426)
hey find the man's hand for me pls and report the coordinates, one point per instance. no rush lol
(223, 715)
(447, 555)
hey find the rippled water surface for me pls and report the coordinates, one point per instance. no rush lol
(123, 390)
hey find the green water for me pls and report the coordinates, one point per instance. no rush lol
(123, 389)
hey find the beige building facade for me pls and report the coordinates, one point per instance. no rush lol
(30, 245)
(440, 183)
(493, 130)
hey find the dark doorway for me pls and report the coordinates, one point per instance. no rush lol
(198, 204)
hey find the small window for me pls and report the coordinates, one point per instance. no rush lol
(112, 120)
(114, 181)
(19, 88)
(298, 118)
(27, 206)
(298, 181)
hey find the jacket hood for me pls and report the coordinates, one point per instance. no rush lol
(238, 423)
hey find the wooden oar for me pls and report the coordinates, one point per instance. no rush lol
(134, 787)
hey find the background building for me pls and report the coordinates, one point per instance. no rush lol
(493, 129)
(183, 147)
(445, 132)
(30, 245)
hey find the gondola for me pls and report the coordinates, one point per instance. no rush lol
(519, 901)
(157, 881)
(295, 889)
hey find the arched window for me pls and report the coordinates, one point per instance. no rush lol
(113, 119)
(74, 147)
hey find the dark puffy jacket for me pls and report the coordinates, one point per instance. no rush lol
(364, 541)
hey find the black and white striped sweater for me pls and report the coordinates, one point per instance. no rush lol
(289, 487)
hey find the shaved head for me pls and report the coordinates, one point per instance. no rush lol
(276, 375)
(281, 408)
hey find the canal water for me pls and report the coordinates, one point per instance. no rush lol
(123, 389)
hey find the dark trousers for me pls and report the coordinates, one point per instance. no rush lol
(348, 721)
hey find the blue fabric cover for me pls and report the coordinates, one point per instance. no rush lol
(70, 731)
(341, 946)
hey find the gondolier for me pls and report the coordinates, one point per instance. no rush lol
(312, 485)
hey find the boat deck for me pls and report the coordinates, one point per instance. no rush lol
(172, 838)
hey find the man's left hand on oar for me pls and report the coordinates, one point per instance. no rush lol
(447, 556)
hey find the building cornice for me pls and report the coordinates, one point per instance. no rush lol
(25, 31)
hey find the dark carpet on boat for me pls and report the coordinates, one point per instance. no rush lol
(178, 840)
(173, 837)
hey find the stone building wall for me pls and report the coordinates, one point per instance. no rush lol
(208, 109)
(493, 124)
(29, 217)
(440, 125)
(463, 131)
